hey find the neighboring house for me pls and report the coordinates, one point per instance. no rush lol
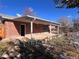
(22, 26)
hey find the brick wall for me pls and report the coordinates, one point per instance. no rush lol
(12, 28)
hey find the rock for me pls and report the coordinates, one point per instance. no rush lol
(17, 48)
(5, 56)
(19, 55)
(17, 42)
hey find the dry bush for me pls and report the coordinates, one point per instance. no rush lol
(3, 46)
(73, 54)
(59, 41)
(61, 44)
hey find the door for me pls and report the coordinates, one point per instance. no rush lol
(22, 27)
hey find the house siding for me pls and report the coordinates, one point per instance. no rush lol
(12, 28)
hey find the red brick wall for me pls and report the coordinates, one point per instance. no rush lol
(40, 28)
(12, 28)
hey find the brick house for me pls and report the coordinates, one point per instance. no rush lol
(25, 25)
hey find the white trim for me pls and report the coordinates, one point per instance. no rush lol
(25, 28)
(43, 19)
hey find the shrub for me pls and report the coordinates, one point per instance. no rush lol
(3, 46)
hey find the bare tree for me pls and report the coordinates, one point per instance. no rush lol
(68, 26)
(76, 24)
(65, 24)
(29, 11)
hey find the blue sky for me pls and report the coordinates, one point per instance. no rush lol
(42, 8)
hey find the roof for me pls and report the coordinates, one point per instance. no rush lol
(28, 16)
(42, 19)
(7, 16)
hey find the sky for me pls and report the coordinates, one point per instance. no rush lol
(42, 8)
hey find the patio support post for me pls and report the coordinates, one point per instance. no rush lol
(31, 28)
(50, 28)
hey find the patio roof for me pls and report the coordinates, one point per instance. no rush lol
(29, 18)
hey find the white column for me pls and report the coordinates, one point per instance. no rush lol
(31, 29)
(50, 32)
(58, 29)
(50, 28)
